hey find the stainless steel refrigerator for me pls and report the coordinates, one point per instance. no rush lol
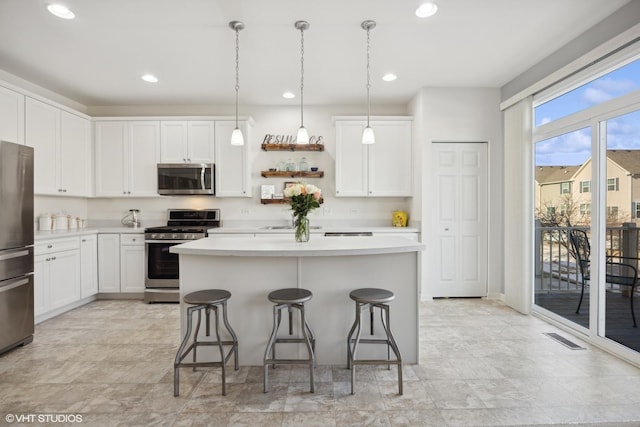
(16, 245)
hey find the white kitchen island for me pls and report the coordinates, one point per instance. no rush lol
(330, 267)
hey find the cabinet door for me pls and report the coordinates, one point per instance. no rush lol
(110, 142)
(89, 266)
(143, 157)
(11, 116)
(232, 169)
(132, 268)
(65, 278)
(109, 262)
(75, 143)
(173, 142)
(391, 160)
(200, 147)
(42, 133)
(351, 160)
(41, 283)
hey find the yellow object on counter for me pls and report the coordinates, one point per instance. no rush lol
(399, 219)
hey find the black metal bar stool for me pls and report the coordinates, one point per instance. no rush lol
(206, 300)
(372, 298)
(289, 298)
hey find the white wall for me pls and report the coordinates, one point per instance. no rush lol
(463, 115)
(268, 120)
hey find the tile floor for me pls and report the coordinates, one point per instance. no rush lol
(481, 364)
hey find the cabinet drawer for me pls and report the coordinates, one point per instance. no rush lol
(56, 245)
(132, 239)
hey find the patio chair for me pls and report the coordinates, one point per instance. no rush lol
(619, 273)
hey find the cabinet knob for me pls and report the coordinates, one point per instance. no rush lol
(128, 192)
(64, 190)
(49, 246)
(184, 160)
(48, 259)
(124, 192)
(53, 258)
(84, 240)
(133, 240)
(189, 160)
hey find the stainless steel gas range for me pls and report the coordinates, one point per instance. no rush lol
(162, 271)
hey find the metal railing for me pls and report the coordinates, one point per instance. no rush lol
(556, 269)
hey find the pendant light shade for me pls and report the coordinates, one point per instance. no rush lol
(303, 135)
(367, 135)
(236, 136)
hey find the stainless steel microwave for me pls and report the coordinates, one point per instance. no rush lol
(176, 179)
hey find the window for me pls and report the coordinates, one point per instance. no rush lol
(585, 186)
(585, 209)
(565, 187)
(616, 83)
(564, 209)
(551, 210)
(612, 184)
(635, 210)
(612, 213)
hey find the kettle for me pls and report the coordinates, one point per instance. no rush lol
(132, 219)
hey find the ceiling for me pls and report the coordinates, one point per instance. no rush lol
(97, 59)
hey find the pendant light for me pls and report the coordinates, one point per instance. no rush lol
(367, 135)
(236, 136)
(303, 135)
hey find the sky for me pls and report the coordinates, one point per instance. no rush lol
(574, 148)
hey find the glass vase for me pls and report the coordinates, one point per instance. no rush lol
(302, 229)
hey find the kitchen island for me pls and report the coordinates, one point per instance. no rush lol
(330, 267)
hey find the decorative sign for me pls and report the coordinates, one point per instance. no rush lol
(288, 139)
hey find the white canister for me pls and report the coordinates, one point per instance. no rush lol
(45, 223)
(73, 222)
(61, 222)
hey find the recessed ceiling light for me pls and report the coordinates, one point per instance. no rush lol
(61, 11)
(426, 10)
(288, 95)
(150, 78)
(389, 77)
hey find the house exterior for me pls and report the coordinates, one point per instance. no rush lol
(563, 193)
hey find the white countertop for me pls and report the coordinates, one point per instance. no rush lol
(321, 230)
(57, 234)
(286, 246)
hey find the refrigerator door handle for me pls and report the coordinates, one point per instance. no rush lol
(14, 255)
(21, 281)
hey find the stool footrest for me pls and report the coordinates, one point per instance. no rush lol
(291, 340)
(288, 361)
(372, 341)
(376, 362)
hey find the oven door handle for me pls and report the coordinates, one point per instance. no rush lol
(168, 241)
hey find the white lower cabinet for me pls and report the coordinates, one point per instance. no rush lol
(57, 274)
(132, 263)
(88, 265)
(121, 263)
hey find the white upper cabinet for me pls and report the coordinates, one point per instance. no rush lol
(383, 169)
(11, 116)
(127, 154)
(61, 143)
(187, 141)
(233, 176)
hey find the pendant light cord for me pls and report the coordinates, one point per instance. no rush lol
(368, 76)
(237, 71)
(301, 77)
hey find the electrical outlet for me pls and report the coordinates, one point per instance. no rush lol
(245, 211)
(354, 212)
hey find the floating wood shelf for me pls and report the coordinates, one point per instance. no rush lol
(291, 174)
(293, 147)
(279, 201)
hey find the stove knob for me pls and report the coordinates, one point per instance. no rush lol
(174, 236)
(154, 236)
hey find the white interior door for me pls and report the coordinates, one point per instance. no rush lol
(459, 227)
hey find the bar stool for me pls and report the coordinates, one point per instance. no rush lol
(372, 298)
(289, 298)
(206, 300)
